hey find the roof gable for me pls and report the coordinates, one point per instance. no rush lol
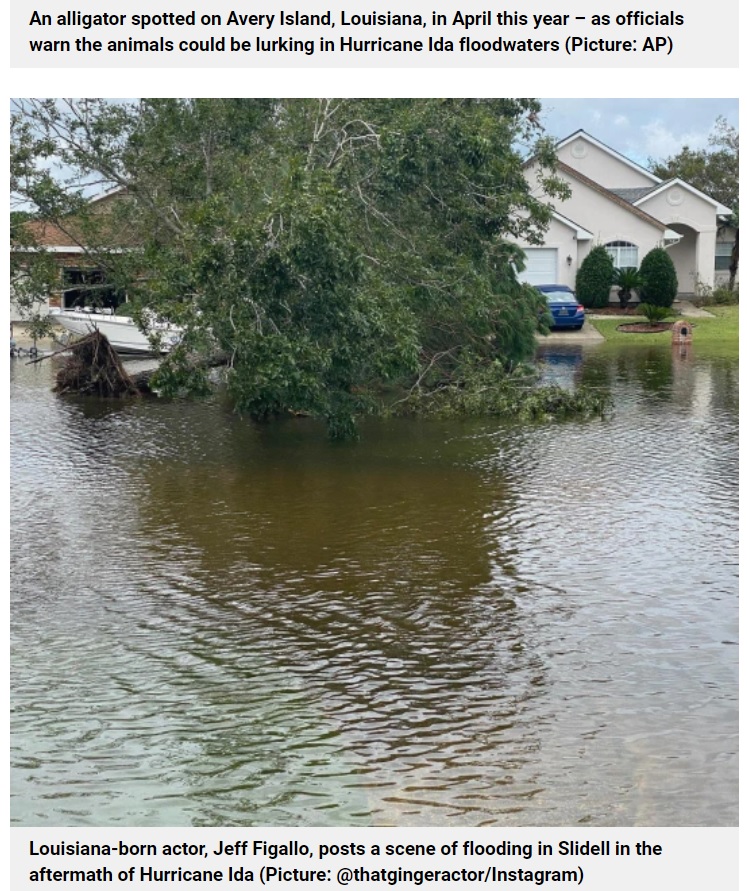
(583, 135)
(680, 183)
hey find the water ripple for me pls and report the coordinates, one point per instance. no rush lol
(215, 623)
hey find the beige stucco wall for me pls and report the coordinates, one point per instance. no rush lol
(676, 204)
(600, 214)
(693, 258)
(608, 221)
(603, 168)
(695, 218)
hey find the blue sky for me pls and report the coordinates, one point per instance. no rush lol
(639, 128)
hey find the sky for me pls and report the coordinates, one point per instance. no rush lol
(639, 128)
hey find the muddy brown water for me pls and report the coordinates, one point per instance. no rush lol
(465, 623)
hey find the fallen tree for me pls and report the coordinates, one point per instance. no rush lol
(94, 368)
(329, 247)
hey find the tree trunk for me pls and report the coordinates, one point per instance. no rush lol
(734, 262)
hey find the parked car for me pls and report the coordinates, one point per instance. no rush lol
(565, 310)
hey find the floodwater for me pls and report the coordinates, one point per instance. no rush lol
(467, 623)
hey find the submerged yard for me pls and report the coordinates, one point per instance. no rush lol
(717, 335)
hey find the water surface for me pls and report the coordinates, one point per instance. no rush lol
(476, 623)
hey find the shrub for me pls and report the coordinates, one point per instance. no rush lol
(594, 278)
(654, 313)
(723, 296)
(705, 295)
(659, 278)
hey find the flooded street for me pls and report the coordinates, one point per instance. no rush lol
(463, 623)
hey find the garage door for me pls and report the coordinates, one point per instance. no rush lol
(542, 266)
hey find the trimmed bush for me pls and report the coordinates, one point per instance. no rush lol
(659, 278)
(594, 278)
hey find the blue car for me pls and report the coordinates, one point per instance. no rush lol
(565, 310)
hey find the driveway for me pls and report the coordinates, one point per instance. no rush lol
(588, 334)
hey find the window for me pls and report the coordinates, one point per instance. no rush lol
(624, 254)
(88, 287)
(723, 255)
(77, 278)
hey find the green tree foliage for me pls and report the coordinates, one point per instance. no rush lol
(659, 277)
(714, 171)
(326, 247)
(595, 277)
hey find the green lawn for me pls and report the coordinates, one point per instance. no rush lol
(717, 335)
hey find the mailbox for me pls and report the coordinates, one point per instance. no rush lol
(682, 332)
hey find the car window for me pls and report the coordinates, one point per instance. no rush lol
(560, 297)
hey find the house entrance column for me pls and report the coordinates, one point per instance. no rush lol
(705, 253)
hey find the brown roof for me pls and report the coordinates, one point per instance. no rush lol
(71, 232)
(47, 234)
(615, 199)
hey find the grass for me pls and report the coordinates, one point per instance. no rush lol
(717, 335)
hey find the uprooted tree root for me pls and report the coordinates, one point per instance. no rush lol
(93, 368)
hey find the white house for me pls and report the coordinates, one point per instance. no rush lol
(618, 203)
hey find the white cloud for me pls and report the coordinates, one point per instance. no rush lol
(660, 141)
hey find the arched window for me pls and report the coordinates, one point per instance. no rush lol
(624, 254)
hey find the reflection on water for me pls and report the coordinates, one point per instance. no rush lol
(215, 623)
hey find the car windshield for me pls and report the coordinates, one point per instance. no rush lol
(560, 297)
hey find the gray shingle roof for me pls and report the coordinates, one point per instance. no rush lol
(633, 195)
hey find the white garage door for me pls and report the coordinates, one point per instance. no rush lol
(542, 266)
